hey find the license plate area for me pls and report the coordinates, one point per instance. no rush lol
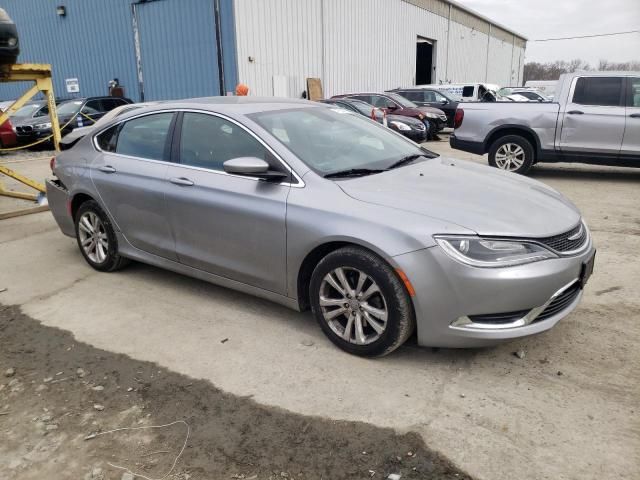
(587, 269)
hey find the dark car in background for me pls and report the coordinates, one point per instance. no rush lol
(430, 97)
(9, 43)
(80, 112)
(434, 119)
(409, 127)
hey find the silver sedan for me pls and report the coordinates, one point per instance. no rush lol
(312, 207)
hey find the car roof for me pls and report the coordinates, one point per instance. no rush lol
(233, 104)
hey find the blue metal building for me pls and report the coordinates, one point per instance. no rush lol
(158, 49)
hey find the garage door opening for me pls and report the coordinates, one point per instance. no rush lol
(425, 67)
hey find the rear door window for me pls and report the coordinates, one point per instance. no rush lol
(145, 137)
(364, 98)
(414, 96)
(109, 104)
(92, 107)
(603, 91)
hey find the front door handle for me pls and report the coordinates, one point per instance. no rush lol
(575, 112)
(635, 115)
(107, 169)
(182, 181)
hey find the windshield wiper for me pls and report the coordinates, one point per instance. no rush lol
(353, 172)
(405, 160)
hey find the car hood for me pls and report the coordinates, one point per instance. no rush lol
(62, 119)
(482, 199)
(437, 111)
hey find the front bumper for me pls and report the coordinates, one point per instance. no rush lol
(417, 136)
(453, 301)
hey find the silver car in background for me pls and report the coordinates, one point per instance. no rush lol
(302, 204)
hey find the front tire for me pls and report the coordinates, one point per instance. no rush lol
(360, 303)
(512, 153)
(97, 239)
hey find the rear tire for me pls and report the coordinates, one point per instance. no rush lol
(512, 153)
(97, 239)
(372, 315)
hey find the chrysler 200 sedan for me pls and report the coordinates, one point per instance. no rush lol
(311, 207)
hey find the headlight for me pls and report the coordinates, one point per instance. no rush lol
(431, 115)
(489, 253)
(400, 126)
(42, 126)
(12, 41)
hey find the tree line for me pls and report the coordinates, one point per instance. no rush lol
(553, 70)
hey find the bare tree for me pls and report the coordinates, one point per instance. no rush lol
(553, 70)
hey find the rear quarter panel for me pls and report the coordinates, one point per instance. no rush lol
(483, 118)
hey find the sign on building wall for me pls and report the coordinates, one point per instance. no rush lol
(73, 85)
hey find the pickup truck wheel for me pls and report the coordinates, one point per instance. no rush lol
(512, 153)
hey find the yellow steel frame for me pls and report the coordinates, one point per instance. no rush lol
(40, 74)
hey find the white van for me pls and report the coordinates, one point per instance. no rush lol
(468, 92)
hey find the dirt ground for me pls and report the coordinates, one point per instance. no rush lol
(57, 393)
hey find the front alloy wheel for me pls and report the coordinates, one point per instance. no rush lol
(360, 302)
(353, 305)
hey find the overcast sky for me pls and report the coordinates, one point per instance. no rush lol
(565, 18)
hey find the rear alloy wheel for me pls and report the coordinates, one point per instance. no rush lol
(97, 239)
(512, 153)
(360, 303)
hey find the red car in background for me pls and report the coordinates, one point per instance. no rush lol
(7, 135)
(434, 119)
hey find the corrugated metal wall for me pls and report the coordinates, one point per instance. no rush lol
(94, 42)
(468, 55)
(278, 38)
(361, 45)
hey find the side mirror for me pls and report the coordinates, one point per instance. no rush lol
(444, 101)
(391, 106)
(251, 166)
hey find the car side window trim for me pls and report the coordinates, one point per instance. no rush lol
(295, 180)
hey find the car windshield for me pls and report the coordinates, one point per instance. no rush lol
(330, 142)
(27, 110)
(68, 108)
(401, 100)
(449, 96)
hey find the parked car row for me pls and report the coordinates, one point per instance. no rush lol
(407, 126)
(32, 122)
(433, 119)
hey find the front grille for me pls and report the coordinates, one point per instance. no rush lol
(24, 129)
(561, 302)
(498, 318)
(564, 242)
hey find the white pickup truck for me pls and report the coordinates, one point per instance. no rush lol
(595, 118)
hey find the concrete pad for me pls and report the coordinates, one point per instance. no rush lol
(569, 409)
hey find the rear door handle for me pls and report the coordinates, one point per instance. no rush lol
(635, 115)
(185, 182)
(575, 112)
(107, 169)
